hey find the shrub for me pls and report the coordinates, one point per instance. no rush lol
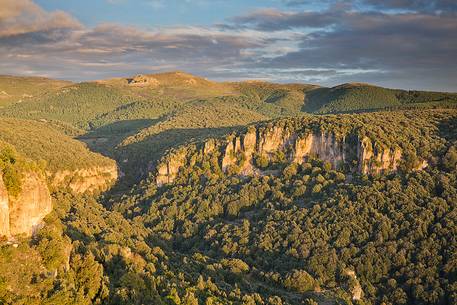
(261, 161)
(299, 280)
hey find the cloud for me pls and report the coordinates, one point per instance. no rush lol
(338, 44)
(275, 20)
(418, 5)
(407, 47)
(363, 39)
(23, 16)
(70, 50)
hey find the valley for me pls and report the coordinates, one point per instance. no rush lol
(170, 188)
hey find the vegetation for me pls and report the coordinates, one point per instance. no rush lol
(137, 122)
(364, 97)
(291, 234)
(11, 168)
(23, 89)
(302, 229)
(41, 142)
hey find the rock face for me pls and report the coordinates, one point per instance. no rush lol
(167, 171)
(144, 80)
(86, 180)
(22, 214)
(354, 287)
(4, 210)
(355, 152)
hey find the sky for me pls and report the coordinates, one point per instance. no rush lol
(410, 44)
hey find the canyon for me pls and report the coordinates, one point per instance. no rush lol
(358, 153)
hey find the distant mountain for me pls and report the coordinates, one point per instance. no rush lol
(359, 97)
(173, 189)
(137, 118)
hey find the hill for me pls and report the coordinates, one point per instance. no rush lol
(77, 104)
(66, 161)
(363, 97)
(15, 89)
(134, 120)
(228, 193)
(38, 141)
(301, 229)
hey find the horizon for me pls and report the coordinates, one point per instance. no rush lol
(220, 81)
(396, 44)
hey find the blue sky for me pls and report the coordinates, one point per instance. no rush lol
(151, 13)
(395, 43)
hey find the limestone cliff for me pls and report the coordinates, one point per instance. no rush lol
(23, 213)
(168, 170)
(86, 180)
(350, 150)
(4, 210)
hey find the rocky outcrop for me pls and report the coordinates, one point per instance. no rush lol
(354, 285)
(80, 181)
(4, 210)
(375, 159)
(297, 147)
(144, 80)
(350, 150)
(23, 213)
(168, 169)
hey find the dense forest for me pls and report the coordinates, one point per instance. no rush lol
(138, 119)
(287, 233)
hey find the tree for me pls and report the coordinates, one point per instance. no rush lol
(299, 280)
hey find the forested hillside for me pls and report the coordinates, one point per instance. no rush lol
(135, 120)
(358, 97)
(231, 193)
(15, 89)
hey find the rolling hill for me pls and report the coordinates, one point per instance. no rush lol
(134, 120)
(173, 189)
(357, 97)
(16, 89)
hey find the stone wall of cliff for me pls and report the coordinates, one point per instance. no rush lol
(350, 150)
(4, 210)
(23, 213)
(95, 179)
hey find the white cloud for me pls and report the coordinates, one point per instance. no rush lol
(23, 16)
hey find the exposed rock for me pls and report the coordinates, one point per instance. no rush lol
(190, 82)
(354, 287)
(144, 80)
(322, 145)
(168, 169)
(358, 153)
(273, 139)
(86, 180)
(23, 214)
(422, 165)
(209, 146)
(27, 209)
(4, 210)
(250, 141)
(230, 157)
